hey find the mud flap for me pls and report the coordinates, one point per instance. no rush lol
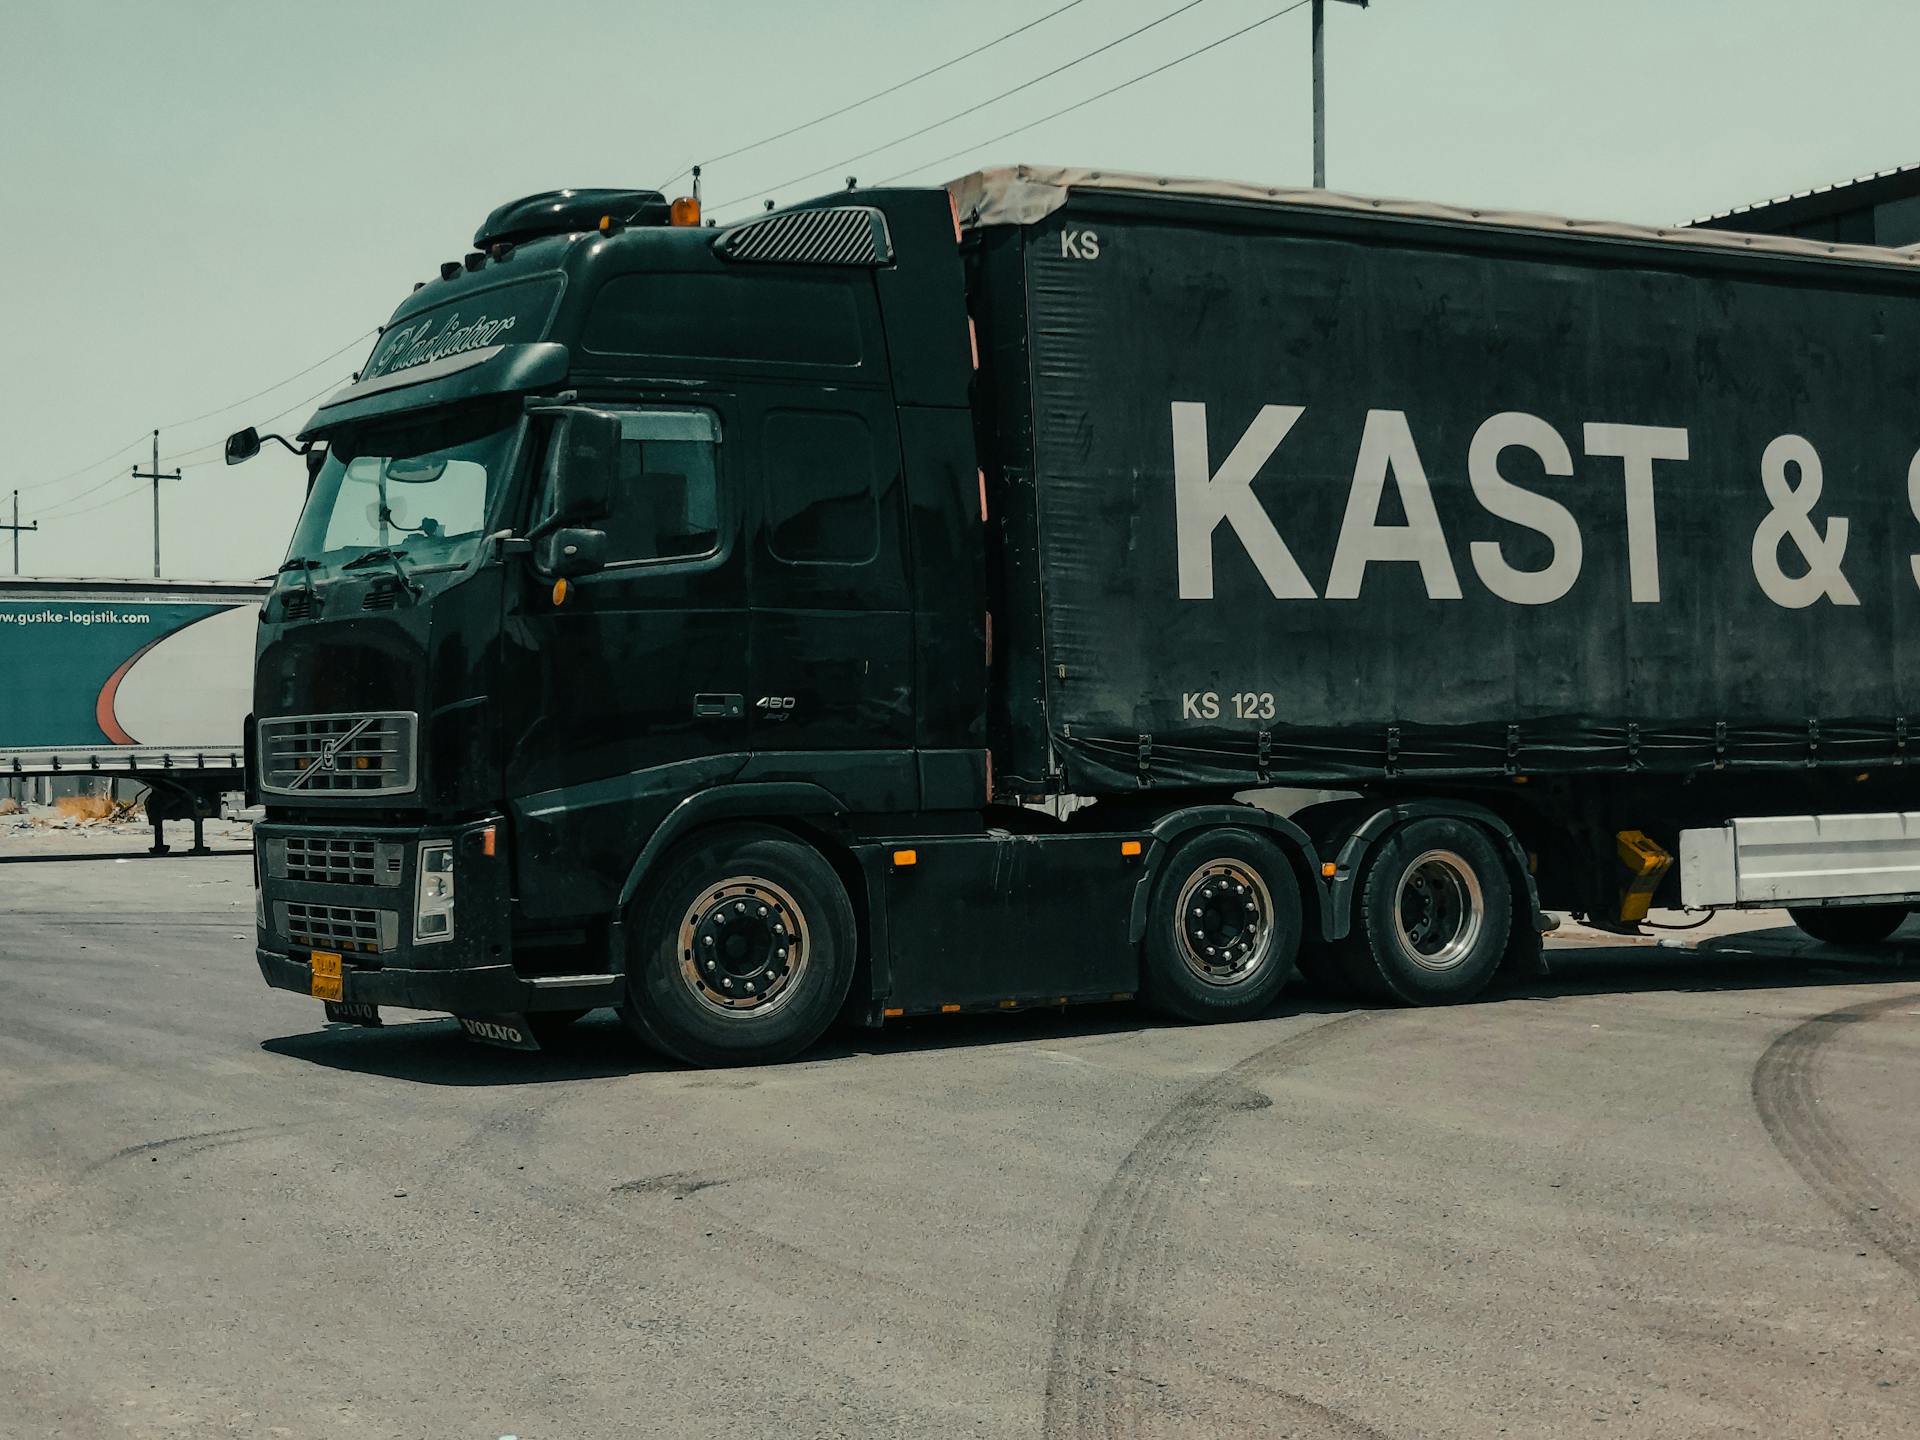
(509, 1031)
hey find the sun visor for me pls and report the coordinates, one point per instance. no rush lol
(470, 375)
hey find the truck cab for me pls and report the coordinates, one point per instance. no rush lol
(619, 514)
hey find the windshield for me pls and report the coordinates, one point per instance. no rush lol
(422, 488)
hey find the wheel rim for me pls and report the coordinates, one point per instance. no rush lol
(1223, 925)
(1438, 910)
(743, 947)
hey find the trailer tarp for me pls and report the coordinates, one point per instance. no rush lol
(1323, 497)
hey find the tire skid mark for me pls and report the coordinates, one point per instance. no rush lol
(1097, 1375)
(1786, 1094)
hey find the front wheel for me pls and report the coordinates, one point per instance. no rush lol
(1849, 924)
(1432, 915)
(1224, 927)
(741, 952)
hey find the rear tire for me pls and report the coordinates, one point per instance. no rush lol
(740, 952)
(1223, 928)
(1850, 924)
(1432, 915)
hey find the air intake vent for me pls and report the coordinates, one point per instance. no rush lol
(383, 599)
(842, 235)
(338, 927)
(296, 605)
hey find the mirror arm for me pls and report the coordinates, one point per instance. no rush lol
(300, 449)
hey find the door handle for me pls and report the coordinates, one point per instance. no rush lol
(719, 707)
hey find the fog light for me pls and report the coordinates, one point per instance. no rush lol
(433, 896)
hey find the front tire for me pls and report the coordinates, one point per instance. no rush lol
(1223, 929)
(1849, 924)
(1432, 915)
(741, 952)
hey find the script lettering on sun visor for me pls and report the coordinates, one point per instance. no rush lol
(504, 315)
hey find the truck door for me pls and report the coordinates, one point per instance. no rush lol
(640, 666)
(833, 693)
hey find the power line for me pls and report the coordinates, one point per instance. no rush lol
(248, 399)
(1110, 90)
(193, 419)
(62, 511)
(89, 466)
(877, 95)
(216, 447)
(969, 110)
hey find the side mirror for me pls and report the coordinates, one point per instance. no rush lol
(589, 444)
(243, 445)
(568, 553)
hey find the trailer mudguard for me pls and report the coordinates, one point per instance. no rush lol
(1349, 829)
(1176, 825)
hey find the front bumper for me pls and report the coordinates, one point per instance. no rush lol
(352, 892)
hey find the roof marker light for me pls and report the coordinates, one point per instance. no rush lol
(475, 260)
(450, 269)
(685, 211)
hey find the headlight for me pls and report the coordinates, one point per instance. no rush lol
(433, 897)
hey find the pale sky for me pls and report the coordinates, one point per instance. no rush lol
(201, 198)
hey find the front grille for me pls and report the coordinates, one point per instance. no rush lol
(347, 928)
(327, 861)
(338, 754)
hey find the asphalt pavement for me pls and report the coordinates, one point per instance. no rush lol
(1662, 1192)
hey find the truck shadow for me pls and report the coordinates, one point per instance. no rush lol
(437, 1052)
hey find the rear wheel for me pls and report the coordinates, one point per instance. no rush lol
(1224, 927)
(741, 952)
(1432, 914)
(1850, 924)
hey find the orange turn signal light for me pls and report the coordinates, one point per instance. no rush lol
(560, 589)
(904, 858)
(486, 842)
(1328, 869)
(1129, 847)
(684, 211)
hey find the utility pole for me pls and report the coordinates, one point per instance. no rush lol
(16, 527)
(156, 476)
(1320, 90)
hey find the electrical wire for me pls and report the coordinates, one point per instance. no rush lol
(969, 110)
(1110, 90)
(89, 467)
(216, 447)
(63, 511)
(190, 420)
(359, 339)
(877, 95)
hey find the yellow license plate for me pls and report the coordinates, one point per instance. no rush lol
(327, 984)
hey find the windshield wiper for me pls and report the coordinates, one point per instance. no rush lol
(391, 557)
(373, 557)
(298, 563)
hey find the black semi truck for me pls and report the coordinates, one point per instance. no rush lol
(715, 622)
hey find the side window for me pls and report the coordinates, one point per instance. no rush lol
(666, 497)
(822, 496)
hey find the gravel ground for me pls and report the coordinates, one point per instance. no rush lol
(1666, 1191)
